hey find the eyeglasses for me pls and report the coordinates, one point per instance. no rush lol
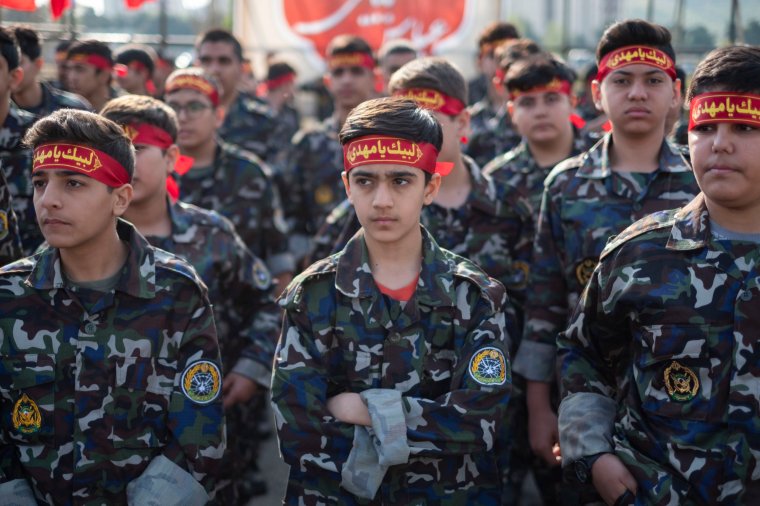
(193, 109)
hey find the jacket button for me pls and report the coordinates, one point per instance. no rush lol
(395, 337)
(90, 328)
(746, 296)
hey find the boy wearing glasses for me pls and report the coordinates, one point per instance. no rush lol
(392, 373)
(659, 363)
(311, 172)
(223, 177)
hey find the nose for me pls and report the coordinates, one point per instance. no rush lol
(383, 197)
(722, 141)
(48, 197)
(637, 90)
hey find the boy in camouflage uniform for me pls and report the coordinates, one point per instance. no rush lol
(392, 372)
(310, 176)
(659, 364)
(239, 286)
(89, 74)
(629, 173)
(223, 177)
(110, 380)
(10, 239)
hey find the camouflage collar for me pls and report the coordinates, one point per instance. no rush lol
(523, 161)
(138, 275)
(596, 161)
(691, 229)
(16, 123)
(353, 276)
(181, 223)
(483, 192)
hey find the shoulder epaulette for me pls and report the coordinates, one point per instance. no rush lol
(206, 217)
(172, 262)
(491, 290)
(655, 221)
(23, 265)
(571, 163)
(291, 297)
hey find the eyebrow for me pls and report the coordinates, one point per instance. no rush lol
(647, 73)
(58, 173)
(390, 174)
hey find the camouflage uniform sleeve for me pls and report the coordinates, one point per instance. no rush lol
(546, 302)
(311, 440)
(10, 238)
(196, 421)
(587, 361)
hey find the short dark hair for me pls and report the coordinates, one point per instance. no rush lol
(84, 128)
(279, 68)
(220, 35)
(9, 48)
(96, 47)
(635, 32)
(396, 46)
(430, 72)
(536, 71)
(496, 31)
(139, 53)
(129, 109)
(515, 50)
(63, 45)
(28, 40)
(732, 68)
(343, 44)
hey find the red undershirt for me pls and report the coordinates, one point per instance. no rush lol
(402, 294)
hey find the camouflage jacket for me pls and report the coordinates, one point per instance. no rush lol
(249, 124)
(441, 357)
(239, 187)
(239, 288)
(584, 203)
(17, 164)
(311, 179)
(659, 361)
(483, 230)
(10, 239)
(492, 132)
(91, 399)
(54, 99)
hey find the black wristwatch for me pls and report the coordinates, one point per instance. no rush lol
(583, 465)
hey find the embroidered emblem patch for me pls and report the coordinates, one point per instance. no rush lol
(584, 270)
(488, 366)
(323, 195)
(3, 225)
(202, 382)
(261, 277)
(681, 382)
(26, 416)
(522, 271)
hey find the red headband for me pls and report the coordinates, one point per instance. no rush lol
(279, 81)
(724, 107)
(85, 160)
(393, 151)
(554, 86)
(97, 61)
(143, 133)
(434, 100)
(351, 60)
(193, 82)
(632, 55)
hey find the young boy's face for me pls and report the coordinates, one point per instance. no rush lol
(388, 199)
(541, 117)
(152, 166)
(636, 98)
(219, 60)
(85, 79)
(351, 85)
(198, 118)
(74, 210)
(726, 161)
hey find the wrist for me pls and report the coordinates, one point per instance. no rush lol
(582, 468)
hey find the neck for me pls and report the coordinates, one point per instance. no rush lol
(494, 97)
(636, 154)
(96, 260)
(396, 265)
(341, 113)
(5, 107)
(551, 153)
(744, 220)
(455, 188)
(150, 217)
(227, 99)
(99, 98)
(29, 97)
(203, 154)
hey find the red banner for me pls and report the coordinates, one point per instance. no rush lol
(425, 22)
(18, 5)
(136, 4)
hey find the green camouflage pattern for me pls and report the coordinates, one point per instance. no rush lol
(585, 202)
(249, 123)
(54, 99)
(310, 177)
(340, 334)
(10, 238)
(246, 316)
(239, 187)
(659, 363)
(106, 381)
(16, 161)
(491, 132)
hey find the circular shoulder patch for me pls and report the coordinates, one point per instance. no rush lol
(488, 366)
(202, 382)
(3, 225)
(584, 270)
(261, 276)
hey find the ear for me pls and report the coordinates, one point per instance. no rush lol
(122, 196)
(573, 101)
(172, 153)
(510, 108)
(676, 92)
(463, 123)
(38, 62)
(431, 189)
(344, 177)
(327, 81)
(219, 114)
(596, 93)
(16, 76)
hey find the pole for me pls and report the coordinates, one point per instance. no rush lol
(163, 25)
(650, 10)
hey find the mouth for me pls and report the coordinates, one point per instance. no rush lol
(720, 169)
(383, 220)
(53, 222)
(637, 112)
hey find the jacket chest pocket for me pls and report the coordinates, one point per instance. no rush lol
(142, 389)
(28, 390)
